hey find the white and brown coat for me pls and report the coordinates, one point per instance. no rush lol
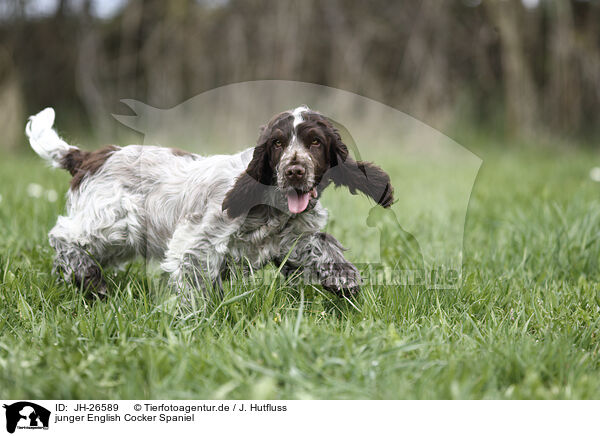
(200, 215)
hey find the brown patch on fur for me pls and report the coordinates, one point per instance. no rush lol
(179, 152)
(331, 163)
(82, 163)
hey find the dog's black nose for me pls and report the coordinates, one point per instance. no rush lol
(295, 172)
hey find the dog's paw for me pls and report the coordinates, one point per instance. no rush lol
(342, 279)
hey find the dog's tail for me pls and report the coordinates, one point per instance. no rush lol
(45, 141)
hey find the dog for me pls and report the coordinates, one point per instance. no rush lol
(200, 216)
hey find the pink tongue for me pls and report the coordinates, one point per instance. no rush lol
(297, 203)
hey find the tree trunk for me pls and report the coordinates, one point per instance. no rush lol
(519, 91)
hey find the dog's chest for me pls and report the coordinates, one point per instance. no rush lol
(265, 233)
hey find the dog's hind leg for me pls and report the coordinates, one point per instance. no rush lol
(76, 263)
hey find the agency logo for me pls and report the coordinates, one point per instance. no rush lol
(418, 240)
(26, 415)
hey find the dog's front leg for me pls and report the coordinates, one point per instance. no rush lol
(194, 259)
(320, 256)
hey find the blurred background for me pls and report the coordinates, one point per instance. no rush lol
(512, 69)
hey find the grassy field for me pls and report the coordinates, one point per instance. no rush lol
(524, 324)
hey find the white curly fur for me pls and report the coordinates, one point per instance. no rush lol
(149, 201)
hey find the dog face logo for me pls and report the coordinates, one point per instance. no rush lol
(421, 233)
(26, 415)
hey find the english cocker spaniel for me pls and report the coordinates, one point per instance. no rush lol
(202, 215)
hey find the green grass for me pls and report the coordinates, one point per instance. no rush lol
(524, 324)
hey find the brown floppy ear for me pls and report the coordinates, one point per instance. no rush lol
(250, 186)
(361, 176)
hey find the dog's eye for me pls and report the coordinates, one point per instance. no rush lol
(315, 141)
(277, 143)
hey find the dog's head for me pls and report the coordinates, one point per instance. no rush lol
(299, 153)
